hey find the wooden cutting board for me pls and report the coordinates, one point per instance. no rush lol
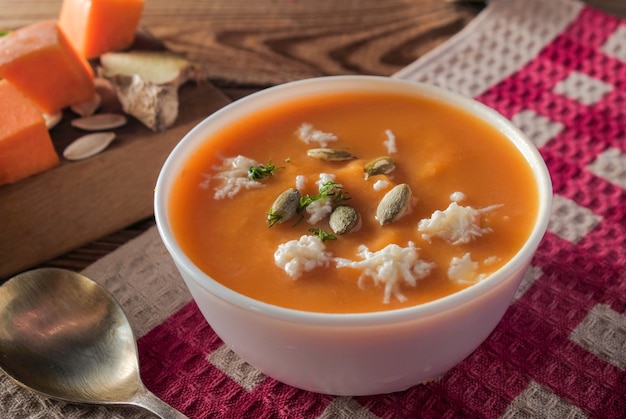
(75, 203)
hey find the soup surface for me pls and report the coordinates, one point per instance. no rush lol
(473, 201)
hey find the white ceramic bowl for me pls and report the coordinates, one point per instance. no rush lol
(352, 354)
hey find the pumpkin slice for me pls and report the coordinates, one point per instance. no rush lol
(42, 63)
(25, 144)
(99, 26)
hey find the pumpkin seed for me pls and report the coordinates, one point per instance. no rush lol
(343, 219)
(395, 204)
(330, 154)
(379, 166)
(284, 207)
(89, 107)
(99, 122)
(88, 145)
(52, 119)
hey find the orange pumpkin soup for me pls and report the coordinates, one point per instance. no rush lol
(463, 203)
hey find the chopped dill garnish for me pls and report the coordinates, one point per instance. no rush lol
(273, 218)
(322, 235)
(327, 190)
(261, 171)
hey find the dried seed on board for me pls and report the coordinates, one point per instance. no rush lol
(100, 122)
(88, 145)
(52, 119)
(395, 204)
(284, 207)
(330, 154)
(343, 219)
(88, 107)
(379, 166)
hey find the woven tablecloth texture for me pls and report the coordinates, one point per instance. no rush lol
(557, 69)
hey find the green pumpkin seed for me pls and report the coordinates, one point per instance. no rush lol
(330, 154)
(394, 204)
(284, 207)
(343, 219)
(379, 166)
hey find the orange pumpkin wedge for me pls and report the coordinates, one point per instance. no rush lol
(25, 144)
(99, 26)
(40, 61)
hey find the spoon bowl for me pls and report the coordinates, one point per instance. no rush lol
(64, 336)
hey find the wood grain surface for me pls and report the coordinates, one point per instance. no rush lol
(76, 203)
(245, 46)
(265, 42)
(251, 44)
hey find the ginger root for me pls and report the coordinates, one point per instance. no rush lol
(146, 83)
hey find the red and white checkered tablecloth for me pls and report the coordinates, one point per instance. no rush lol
(557, 69)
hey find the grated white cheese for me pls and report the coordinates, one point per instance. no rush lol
(320, 209)
(233, 175)
(309, 134)
(391, 266)
(456, 224)
(463, 270)
(300, 182)
(390, 143)
(457, 196)
(296, 257)
(380, 185)
(206, 180)
(325, 178)
(491, 260)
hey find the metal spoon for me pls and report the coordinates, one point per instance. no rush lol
(64, 336)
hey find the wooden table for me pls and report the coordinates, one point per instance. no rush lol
(249, 45)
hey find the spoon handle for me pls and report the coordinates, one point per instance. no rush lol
(148, 401)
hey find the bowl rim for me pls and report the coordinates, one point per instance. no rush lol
(312, 86)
